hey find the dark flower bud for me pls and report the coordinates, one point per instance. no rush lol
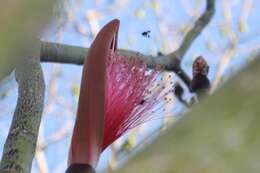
(200, 82)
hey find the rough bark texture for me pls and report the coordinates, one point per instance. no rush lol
(20, 145)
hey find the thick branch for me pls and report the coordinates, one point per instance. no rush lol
(62, 53)
(20, 145)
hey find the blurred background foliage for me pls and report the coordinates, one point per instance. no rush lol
(226, 43)
(21, 25)
(221, 134)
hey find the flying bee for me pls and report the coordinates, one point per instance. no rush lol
(146, 33)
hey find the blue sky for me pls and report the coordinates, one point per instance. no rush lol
(171, 15)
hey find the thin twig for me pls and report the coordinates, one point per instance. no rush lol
(195, 31)
(61, 53)
(39, 154)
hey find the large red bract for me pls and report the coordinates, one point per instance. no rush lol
(117, 93)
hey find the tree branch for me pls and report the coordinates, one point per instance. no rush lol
(68, 54)
(195, 31)
(62, 53)
(20, 145)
